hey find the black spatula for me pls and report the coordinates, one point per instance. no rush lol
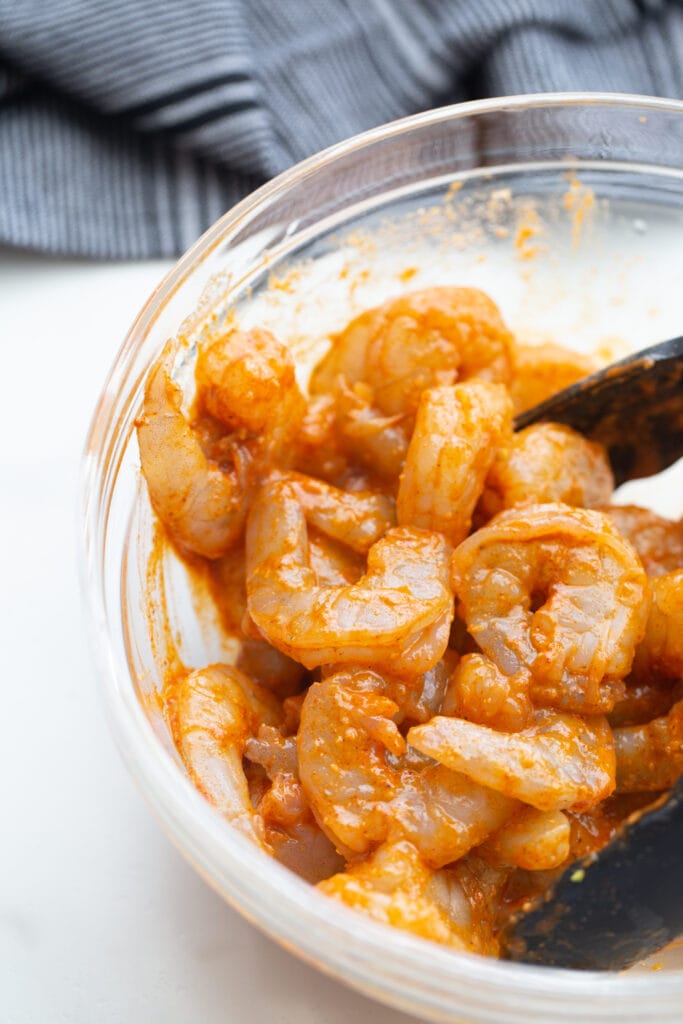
(618, 906)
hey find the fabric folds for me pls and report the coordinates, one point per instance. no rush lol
(127, 127)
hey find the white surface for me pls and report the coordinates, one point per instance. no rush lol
(101, 921)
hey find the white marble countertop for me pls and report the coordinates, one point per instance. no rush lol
(101, 920)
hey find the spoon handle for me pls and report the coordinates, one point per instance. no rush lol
(633, 407)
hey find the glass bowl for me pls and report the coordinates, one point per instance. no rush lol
(568, 209)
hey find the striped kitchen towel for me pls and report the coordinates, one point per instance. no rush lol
(128, 126)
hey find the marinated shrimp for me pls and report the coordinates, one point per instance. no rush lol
(658, 541)
(449, 648)
(532, 840)
(318, 451)
(213, 712)
(420, 698)
(369, 437)
(555, 591)
(397, 616)
(557, 762)
(200, 474)
(480, 692)
(200, 501)
(419, 340)
(345, 737)
(548, 462)
(650, 756)
(660, 654)
(290, 829)
(379, 365)
(395, 887)
(247, 381)
(643, 700)
(364, 788)
(540, 371)
(457, 433)
(650, 753)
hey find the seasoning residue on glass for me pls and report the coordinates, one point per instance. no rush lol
(456, 663)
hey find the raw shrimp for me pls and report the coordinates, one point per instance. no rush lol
(643, 700)
(419, 699)
(661, 651)
(457, 433)
(539, 371)
(395, 887)
(533, 840)
(650, 757)
(364, 787)
(290, 828)
(246, 381)
(356, 520)
(396, 617)
(560, 761)
(658, 541)
(556, 591)
(453, 768)
(255, 657)
(376, 441)
(443, 812)
(333, 564)
(419, 340)
(481, 693)
(213, 711)
(200, 474)
(655, 681)
(548, 462)
(201, 502)
(379, 365)
(345, 734)
(318, 451)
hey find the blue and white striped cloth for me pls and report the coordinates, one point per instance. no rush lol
(128, 126)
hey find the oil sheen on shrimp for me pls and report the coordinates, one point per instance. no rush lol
(200, 475)
(394, 886)
(213, 712)
(419, 340)
(660, 654)
(658, 541)
(396, 617)
(557, 762)
(290, 829)
(201, 503)
(650, 756)
(548, 462)
(245, 379)
(457, 433)
(556, 591)
(364, 791)
(539, 371)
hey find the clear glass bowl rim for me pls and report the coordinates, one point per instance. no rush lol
(396, 967)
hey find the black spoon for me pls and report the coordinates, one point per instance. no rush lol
(619, 905)
(633, 407)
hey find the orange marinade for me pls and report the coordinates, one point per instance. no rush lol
(457, 665)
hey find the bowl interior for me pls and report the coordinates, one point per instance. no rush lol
(578, 246)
